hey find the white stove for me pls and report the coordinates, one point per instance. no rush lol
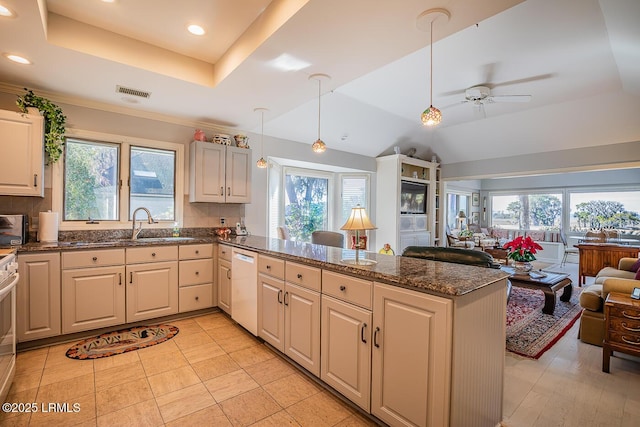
(8, 281)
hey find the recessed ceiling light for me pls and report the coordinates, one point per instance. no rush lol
(5, 11)
(108, 1)
(196, 29)
(16, 58)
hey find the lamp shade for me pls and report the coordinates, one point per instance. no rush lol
(461, 214)
(358, 220)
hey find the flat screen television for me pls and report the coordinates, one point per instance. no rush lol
(413, 198)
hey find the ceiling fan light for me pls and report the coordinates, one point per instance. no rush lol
(261, 163)
(431, 116)
(319, 146)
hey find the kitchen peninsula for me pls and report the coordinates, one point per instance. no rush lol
(411, 341)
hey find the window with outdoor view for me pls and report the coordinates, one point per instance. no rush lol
(619, 210)
(527, 211)
(306, 203)
(354, 192)
(152, 182)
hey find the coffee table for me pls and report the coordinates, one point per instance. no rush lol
(549, 284)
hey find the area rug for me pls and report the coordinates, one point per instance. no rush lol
(119, 342)
(530, 332)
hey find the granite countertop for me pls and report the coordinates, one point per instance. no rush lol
(434, 277)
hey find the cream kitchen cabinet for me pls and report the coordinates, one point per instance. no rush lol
(411, 348)
(219, 173)
(224, 278)
(93, 289)
(346, 336)
(21, 154)
(152, 282)
(271, 301)
(195, 277)
(38, 296)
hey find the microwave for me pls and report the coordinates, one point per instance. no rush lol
(14, 229)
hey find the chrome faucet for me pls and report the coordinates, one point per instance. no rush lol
(135, 234)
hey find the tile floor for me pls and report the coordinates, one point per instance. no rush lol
(216, 374)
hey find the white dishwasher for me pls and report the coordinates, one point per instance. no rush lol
(244, 289)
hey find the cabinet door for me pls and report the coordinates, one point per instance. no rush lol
(224, 285)
(238, 175)
(302, 327)
(410, 379)
(207, 172)
(271, 310)
(21, 154)
(38, 296)
(92, 298)
(346, 350)
(152, 290)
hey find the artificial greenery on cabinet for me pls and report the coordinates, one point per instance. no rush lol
(54, 123)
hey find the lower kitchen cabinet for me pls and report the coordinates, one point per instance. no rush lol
(271, 310)
(411, 349)
(224, 286)
(195, 277)
(302, 327)
(152, 290)
(38, 296)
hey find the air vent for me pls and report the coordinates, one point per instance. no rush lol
(132, 92)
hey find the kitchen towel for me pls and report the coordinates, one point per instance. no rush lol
(48, 227)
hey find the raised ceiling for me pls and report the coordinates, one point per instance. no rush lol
(578, 59)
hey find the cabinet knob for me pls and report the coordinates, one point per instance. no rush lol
(95, 258)
(153, 254)
(268, 267)
(197, 252)
(299, 276)
(343, 288)
(197, 298)
(197, 272)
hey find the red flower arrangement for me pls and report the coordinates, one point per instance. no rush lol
(522, 249)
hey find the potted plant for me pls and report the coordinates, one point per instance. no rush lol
(54, 123)
(521, 251)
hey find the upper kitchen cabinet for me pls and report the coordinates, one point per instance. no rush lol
(219, 173)
(21, 154)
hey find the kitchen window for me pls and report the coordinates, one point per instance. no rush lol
(103, 180)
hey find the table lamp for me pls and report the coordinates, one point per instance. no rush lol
(461, 217)
(357, 221)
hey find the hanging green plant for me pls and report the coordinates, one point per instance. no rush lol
(54, 123)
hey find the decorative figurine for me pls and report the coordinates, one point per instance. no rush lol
(199, 135)
(386, 250)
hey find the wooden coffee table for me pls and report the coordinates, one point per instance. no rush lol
(549, 284)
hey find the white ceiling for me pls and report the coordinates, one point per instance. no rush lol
(578, 59)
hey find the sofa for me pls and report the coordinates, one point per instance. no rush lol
(609, 279)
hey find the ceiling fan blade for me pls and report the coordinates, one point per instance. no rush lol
(524, 80)
(509, 98)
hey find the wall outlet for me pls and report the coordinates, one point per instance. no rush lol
(222, 221)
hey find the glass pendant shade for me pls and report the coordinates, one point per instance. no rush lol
(319, 146)
(261, 163)
(431, 116)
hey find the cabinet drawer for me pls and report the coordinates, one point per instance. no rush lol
(347, 288)
(625, 326)
(270, 266)
(195, 297)
(224, 252)
(195, 271)
(195, 251)
(626, 312)
(628, 339)
(152, 254)
(99, 258)
(302, 275)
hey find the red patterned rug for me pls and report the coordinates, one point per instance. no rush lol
(530, 332)
(119, 342)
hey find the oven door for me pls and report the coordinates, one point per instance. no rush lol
(7, 335)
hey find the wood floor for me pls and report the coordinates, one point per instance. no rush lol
(214, 373)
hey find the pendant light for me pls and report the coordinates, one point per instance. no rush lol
(431, 116)
(319, 146)
(261, 163)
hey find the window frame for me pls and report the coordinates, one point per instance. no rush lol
(530, 192)
(57, 180)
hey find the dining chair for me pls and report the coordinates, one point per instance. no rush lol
(328, 238)
(595, 236)
(567, 249)
(283, 233)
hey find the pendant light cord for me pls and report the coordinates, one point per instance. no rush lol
(319, 92)
(262, 134)
(431, 62)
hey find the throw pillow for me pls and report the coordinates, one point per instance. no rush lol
(638, 275)
(636, 266)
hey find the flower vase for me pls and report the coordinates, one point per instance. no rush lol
(522, 267)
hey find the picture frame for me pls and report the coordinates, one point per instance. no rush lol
(636, 293)
(475, 217)
(475, 199)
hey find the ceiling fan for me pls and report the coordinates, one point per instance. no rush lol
(481, 95)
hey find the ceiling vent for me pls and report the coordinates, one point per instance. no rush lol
(132, 92)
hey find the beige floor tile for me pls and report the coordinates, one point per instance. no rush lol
(80, 410)
(270, 370)
(57, 354)
(252, 355)
(123, 395)
(215, 366)
(117, 375)
(154, 350)
(237, 342)
(247, 408)
(229, 385)
(187, 327)
(141, 414)
(32, 360)
(19, 420)
(225, 331)
(173, 380)
(104, 363)
(213, 321)
(26, 380)
(278, 419)
(64, 370)
(291, 389)
(202, 352)
(210, 416)
(186, 342)
(356, 420)
(321, 409)
(163, 362)
(67, 390)
(24, 396)
(184, 402)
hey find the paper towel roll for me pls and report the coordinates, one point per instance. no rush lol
(48, 227)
